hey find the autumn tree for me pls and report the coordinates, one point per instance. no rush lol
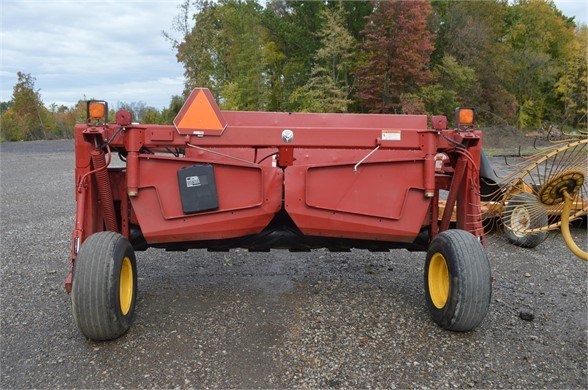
(541, 41)
(140, 111)
(572, 86)
(517, 62)
(395, 53)
(166, 116)
(27, 118)
(253, 56)
(67, 117)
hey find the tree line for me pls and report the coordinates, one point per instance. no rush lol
(26, 118)
(520, 63)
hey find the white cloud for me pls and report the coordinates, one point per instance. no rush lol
(109, 48)
(576, 8)
(104, 49)
(114, 93)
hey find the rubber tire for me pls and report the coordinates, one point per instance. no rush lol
(470, 281)
(530, 240)
(95, 295)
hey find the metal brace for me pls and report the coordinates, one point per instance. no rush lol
(365, 158)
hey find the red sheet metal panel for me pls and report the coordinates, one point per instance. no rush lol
(248, 197)
(383, 201)
(372, 191)
(324, 121)
(305, 137)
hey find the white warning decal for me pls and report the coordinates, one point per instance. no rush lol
(192, 181)
(391, 135)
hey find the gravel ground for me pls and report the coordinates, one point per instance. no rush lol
(277, 319)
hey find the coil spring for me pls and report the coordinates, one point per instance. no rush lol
(104, 189)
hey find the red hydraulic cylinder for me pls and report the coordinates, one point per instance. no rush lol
(133, 144)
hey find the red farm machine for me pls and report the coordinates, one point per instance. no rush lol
(260, 180)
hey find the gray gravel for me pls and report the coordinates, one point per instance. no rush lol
(275, 319)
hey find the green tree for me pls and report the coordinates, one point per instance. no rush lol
(518, 61)
(275, 60)
(67, 117)
(541, 42)
(5, 106)
(329, 87)
(245, 85)
(175, 105)
(223, 51)
(454, 87)
(572, 88)
(254, 57)
(139, 110)
(289, 34)
(27, 118)
(151, 116)
(197, 46)
(355, 14)
(473, 33)
(10, 129)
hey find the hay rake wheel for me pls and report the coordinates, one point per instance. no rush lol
(556, 186)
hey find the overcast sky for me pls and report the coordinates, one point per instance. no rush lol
(110, 50)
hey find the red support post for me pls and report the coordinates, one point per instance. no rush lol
(456, 184)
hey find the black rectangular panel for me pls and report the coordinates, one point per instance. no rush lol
(197, 188)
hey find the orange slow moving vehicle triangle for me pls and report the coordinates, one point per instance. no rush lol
(199, 113)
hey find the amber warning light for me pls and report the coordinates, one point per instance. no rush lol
(465, 117)
(97, 110)
(200, 115)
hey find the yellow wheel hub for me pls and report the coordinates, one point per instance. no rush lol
(126, 286)
(438, 280)
(552, 192)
